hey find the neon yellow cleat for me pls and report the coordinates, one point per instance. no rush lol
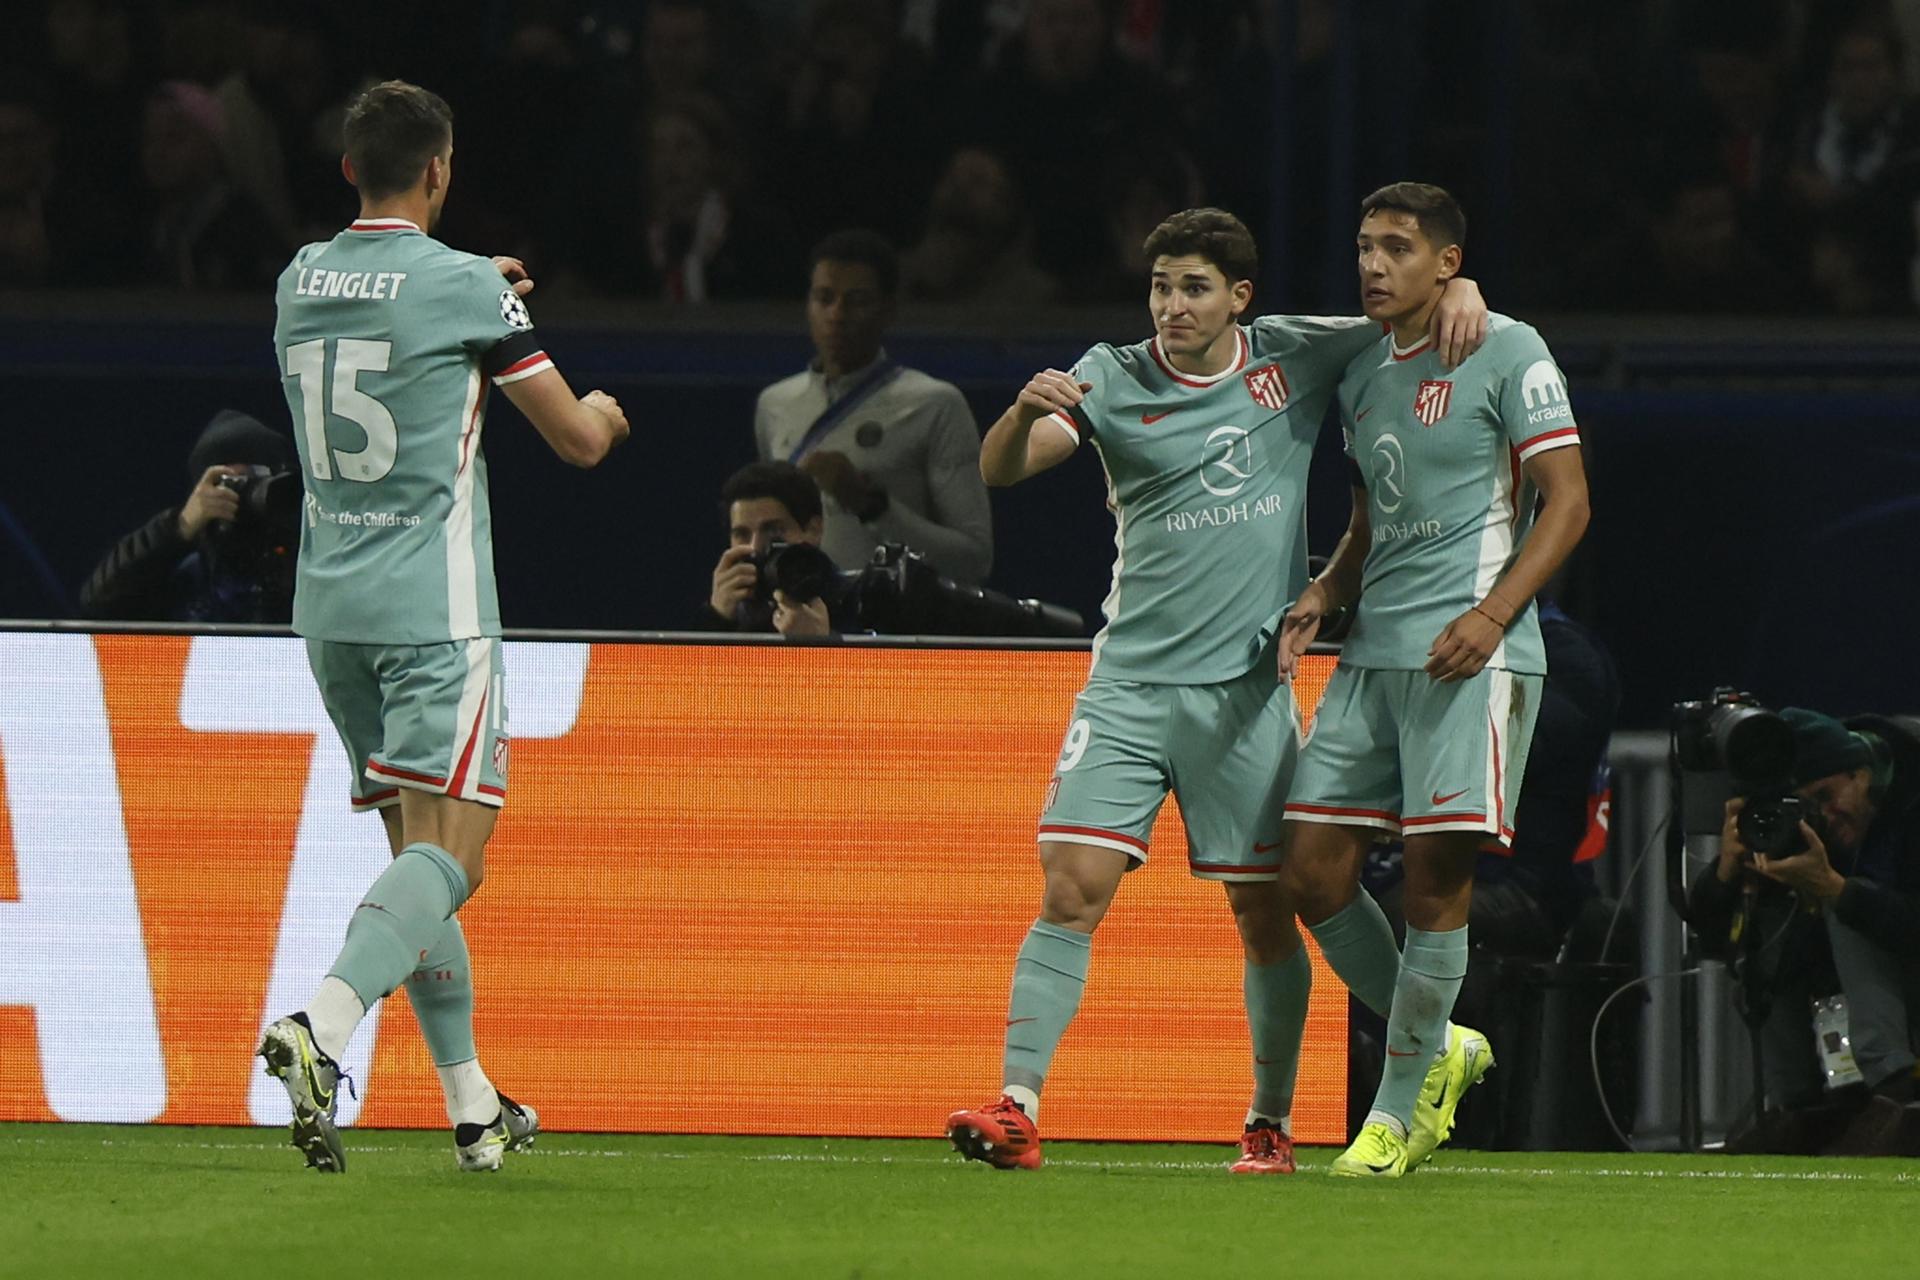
(1467, 1058)
(1378, 1152)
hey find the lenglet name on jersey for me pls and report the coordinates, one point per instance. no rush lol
(371, 286)
(1224, 514)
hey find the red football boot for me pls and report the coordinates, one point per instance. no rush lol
(1000, 1134)
(1264, 1149)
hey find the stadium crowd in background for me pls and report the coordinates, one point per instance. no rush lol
(683, 151)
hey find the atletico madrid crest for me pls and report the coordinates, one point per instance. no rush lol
(1431, 400)
(1268, 386)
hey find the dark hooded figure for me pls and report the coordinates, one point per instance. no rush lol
(227, 553)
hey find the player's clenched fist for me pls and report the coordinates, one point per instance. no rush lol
(1050, 391)
(611, 410)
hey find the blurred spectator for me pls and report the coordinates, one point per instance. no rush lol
(226, 554)
(854, 147)
(1066, 94)
(897, 452)
(1856, 174)
(700, 237)
(97, 96)
(1140, 189)
(1700, 257)
(26, 174)
(281, 114)
(978, 245)
(202, 232)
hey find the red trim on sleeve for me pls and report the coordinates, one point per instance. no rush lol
(1545, 436)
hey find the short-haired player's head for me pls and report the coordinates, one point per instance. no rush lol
(398, 139)
(853, 281)
(1411, 239)
(766, 502)
(1201, 264)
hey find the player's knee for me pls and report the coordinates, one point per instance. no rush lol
(1072, 903)
(1263, 914)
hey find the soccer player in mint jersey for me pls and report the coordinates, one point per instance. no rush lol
(1424, 728)
(1205, 432)
(387, 340)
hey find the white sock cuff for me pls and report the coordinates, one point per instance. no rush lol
(334, 1014)
(471, 1097)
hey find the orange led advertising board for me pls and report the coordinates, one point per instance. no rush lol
(736, 889)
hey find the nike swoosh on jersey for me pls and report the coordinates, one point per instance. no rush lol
(1267, 848)
(1363, 413)
(1148, 419)
(1014, 1022)
(1448, 799)
(1395, 1053)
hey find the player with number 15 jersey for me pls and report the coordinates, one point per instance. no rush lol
(387, 342)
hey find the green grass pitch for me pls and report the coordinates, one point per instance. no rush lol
(88, 1200)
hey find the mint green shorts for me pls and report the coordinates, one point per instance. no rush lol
(1400, 751)
(429, 717)
(1225, 751)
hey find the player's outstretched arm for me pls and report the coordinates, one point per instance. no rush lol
(581, 431)
(1012, 452)
(1469, 640)
(1337, 588)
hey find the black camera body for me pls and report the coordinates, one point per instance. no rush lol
(900, 593)
(1746, 751)
(800, 569)
(269, 499)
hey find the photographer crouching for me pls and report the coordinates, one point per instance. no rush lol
(1832, 913)
(775, 576)
(226, 554)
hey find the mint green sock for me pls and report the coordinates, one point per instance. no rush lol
(441, 992)
(1048, 977)
(1277, 1015)
(1430, 975)
(401, 917)
(1358, 944)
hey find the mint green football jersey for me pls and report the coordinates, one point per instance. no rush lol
(1440, 452)
(1207, 482)
(387, 340)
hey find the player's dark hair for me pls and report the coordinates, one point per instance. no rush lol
(863, 248)
(781, 481)
(1213, 234)
(1442, 220)
(392, 130)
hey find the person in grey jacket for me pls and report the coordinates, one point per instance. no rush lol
(896, 452)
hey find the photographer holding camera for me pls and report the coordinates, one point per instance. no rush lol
(775, 575)
(1834, 909)
(774, 515)
(226, 554)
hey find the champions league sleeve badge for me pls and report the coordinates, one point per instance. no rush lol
(514, 311)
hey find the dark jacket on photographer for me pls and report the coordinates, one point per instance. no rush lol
(1881, 901)
(242, 572)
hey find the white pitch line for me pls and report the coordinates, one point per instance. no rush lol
(1108, 1166)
